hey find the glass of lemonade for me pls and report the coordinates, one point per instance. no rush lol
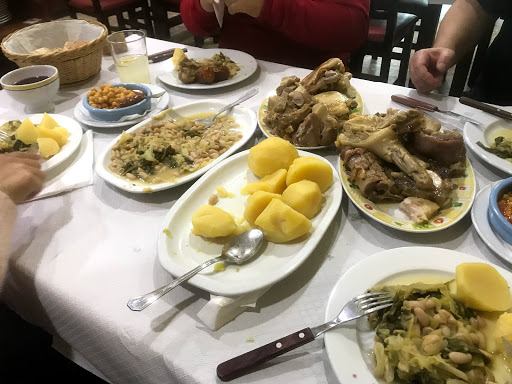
(130, 55)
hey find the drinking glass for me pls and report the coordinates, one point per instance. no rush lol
(130, 55)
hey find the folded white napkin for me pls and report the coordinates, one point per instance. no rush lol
(221, 310)
(218, 7)
(75, 172)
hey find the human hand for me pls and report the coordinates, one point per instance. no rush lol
(207, 5)
(21, 177)
(251, 7)
(428, 67)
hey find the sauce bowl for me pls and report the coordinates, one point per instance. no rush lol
(497, 221)
(38, 95)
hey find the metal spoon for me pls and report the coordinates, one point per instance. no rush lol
(209, 121)
(238, 250)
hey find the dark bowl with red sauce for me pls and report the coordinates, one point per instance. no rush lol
(116, 114)
(500, 209)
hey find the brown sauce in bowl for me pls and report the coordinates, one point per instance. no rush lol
(505, 206)
(31, 80)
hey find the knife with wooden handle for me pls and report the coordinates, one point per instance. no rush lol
(486, 108)
(414, 103)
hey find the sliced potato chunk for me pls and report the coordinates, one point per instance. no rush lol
(310, 168)
(274, 183)
(270, 155)
(210, 221)
(27, 132)
(280, 223)
(48, 122)
(480, 286)
(59, 134)
(256, 203)
(305, 197)
(47, 147)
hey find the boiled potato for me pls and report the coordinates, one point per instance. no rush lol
(59, 134)
(177, 57)
(274, 183)
(256, 203)
(310, 168)
(504, 327)
(27, 132)
(305, 197)
(480, 286)
(210, 221)
(280, 223)
(47, 146)
(270, 155)
(48, 122)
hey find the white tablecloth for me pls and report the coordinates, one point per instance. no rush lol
(78, 258)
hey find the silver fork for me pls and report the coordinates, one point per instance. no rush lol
(4, 136)
(359, 306)
(209, 121)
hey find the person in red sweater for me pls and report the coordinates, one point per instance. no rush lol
(302, 33)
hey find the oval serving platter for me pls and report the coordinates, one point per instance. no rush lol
(389, 214)
(179, 250)
(244, 116)
(267, 131)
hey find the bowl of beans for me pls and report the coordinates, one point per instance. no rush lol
(500, 209)
(111, 102)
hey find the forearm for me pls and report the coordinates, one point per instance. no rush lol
(8, 213)
(324, 24)
(462, 27)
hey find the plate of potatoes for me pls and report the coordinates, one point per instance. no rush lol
(291, 195)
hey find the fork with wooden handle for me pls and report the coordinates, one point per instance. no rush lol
(357, 307)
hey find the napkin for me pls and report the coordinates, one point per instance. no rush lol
(75, 172)
(218, 7)
(221, 310)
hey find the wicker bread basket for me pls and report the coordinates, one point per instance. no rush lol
(74, 64)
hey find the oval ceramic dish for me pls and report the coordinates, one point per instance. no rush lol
(116, 114)
(267, 131)
(179, 250)
(349, 347)
(244, 117)
(389, 214)
(474, 134)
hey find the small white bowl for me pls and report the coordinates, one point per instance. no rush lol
(38, 95)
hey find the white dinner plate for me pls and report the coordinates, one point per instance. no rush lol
(157, 106)
(480, 220)
(243, 116)
(390, 215)
(180, 251)
(348, 346)
(269, 132)
(74, 138)
(246, 62)
(474, 134)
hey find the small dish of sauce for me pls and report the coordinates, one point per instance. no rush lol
(31, 80)
(505, 206)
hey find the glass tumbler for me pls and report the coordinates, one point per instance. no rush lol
(130, 55)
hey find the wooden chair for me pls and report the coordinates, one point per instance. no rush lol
(102, 9)
(164, 23)
(388, 28)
